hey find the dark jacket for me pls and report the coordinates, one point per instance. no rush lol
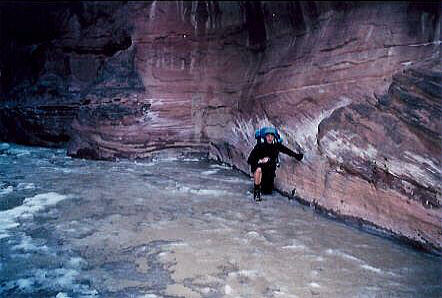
(272, 151)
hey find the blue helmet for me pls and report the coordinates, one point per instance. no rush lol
(261, 133)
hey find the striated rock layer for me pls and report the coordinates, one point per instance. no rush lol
(355, 86)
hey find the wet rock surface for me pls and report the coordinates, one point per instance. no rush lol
(143, 229)
(393, 146)
(127, 79)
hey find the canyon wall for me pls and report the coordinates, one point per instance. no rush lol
(355, 86)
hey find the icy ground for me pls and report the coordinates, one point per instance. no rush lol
(181, 228)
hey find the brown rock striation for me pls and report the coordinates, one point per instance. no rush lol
(392, 150)
(126, 79)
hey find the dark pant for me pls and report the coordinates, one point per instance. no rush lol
(268, 176)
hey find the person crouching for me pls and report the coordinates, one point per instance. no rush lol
(263, 162)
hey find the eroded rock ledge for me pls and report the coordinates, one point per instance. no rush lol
(391, 149)
(356, 86)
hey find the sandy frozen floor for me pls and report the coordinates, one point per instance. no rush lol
(181, 228)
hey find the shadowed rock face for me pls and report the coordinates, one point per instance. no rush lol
(355, 86)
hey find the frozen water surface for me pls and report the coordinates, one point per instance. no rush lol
(181, 228)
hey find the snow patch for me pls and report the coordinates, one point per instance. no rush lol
(314, 285)
(65, 277)
(206, 192)
(178, 244)
(236, 180)
(4, 146)
(210, 172)
(9, 218)
(28, 245)
(40, 279)
(344, 255)
(228, 290)
(295, 247)
(191, 159)
(209, 192)
(6, 190)
(245, 273)
(18, 151)
(76, 262)
(352, 258)
(22, 186)
(370, 268)
(224, 167)
(253, 234)
(149, 296)
(24, 284)
(159, 159)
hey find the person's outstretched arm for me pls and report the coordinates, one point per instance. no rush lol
(289, 152)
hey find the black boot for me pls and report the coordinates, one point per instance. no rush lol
(257, 193)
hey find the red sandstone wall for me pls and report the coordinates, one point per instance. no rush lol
(129, 79)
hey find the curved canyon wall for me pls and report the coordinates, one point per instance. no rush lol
(356, 86)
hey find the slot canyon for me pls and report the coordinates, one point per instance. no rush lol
(355, 86)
